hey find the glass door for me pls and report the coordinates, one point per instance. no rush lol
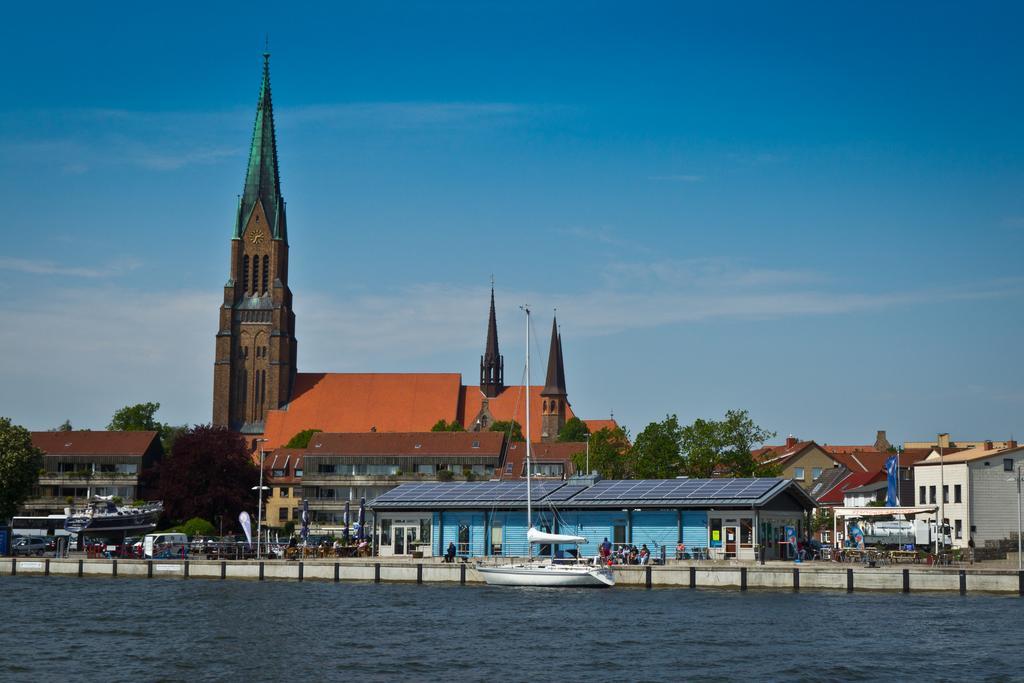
(732, 533)
(405, 537)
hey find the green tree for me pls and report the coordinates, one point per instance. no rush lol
(444, 426)
(511, 428)
(723, 447)
(610, 454)
(197, 526)
(574, 429)
(20, 463)
(301, 440)
(63, 427)
(657, 450)
(137, 418)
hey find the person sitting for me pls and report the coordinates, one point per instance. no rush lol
(633, 555)
(449, 556)
(645, 555)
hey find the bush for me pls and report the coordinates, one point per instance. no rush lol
(289, 528)
(445, 475)
(197, 527)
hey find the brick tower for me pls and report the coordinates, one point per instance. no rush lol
(554, 396)
(254, 368)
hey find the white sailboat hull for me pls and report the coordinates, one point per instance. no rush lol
(548, 575)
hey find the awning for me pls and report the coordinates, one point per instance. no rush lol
(874, 511)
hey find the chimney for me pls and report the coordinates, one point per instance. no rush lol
(881, 442)
(943, 441)
(1011, 444)
(988, 445)
(791, 441)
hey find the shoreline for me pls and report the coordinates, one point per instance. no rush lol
(780, 577)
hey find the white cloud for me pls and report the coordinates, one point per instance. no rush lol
(43, 267)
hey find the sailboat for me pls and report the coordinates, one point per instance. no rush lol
(544, 572)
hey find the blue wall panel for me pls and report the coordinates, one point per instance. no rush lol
(656, 528)
(596, 526)
(435, 537)
(695, 529)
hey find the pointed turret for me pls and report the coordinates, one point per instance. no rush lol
(262, 183)
(555, 383)
(492, 365)
(555, 397)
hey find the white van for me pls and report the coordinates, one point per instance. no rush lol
(167, 545)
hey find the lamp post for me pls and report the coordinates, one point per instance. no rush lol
(259, 499)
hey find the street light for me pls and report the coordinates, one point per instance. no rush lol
(259, 493)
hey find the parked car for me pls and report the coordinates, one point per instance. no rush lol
(30, 545)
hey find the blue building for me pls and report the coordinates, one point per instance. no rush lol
(727, 518)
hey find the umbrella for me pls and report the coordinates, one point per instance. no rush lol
(347, 516)
(305, 519)
(362, 519)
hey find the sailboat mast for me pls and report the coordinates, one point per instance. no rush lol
(529, 497)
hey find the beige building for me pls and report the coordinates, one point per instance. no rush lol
(944, 442)
(975, 490)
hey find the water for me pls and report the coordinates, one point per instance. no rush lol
(170, 629)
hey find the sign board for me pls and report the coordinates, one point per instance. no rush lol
(168, 567)
(5, 540)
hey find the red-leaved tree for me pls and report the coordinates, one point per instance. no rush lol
(208, 474)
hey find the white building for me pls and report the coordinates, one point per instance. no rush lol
(975, 491)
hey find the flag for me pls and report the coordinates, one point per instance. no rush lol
(243, 519)
(791, 539)
(346, 518)
(892, 473)
(305, 519)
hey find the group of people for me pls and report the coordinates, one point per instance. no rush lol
(624, 554)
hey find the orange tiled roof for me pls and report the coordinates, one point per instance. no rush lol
(508, 405)
(597, 425)
(355, 402)
(515, 454)
(93, 443)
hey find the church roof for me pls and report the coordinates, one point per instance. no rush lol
(357, 402)
(262, 182)
(555, 384)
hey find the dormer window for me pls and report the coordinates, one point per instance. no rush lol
(476, 444)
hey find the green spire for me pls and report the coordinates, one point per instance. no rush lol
(261, 179)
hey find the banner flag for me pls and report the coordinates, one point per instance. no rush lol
(892, 473)
(243, 519)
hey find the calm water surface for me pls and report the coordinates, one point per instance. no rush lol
(170, 629)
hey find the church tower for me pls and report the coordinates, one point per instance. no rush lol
(554, 397)
(492, 364)
(254, 368)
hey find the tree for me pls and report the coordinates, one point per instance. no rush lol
(197, 527)
(574, 429)
(444, 426)
(63, 427)
(511, 428)
(610, 454)
(136, 418)
(209, 473)
(20, 463)
(301, 440)
(723, 447)
(657, 450)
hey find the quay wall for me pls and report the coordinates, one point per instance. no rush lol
(697, 575)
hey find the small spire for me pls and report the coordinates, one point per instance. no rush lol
(555, 382)
(492, 365)
(262, 182)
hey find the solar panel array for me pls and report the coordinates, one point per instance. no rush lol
(677, 490)
(463, 493)
(610, 492)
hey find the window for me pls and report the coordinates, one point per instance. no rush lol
(385, 532)
(798, 473)
(826, 536)
(1007, 464)
(958, 526)
(497, 536)
(266, 272)
(282, 515)
(425, 529)
(922, 495)
(277, 473)
(931, 494)
(325, 469)
(956, 494)
(255, 274)
(746, 533)
(715, 533)
(815, 472)
(245, 274)
(463, 542)
(298, 471)
(284, 492)
(295, 513)
(945, 493)
(425, 469)
(476, 444)
(508, 468)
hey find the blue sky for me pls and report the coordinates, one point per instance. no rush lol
(812, 213)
